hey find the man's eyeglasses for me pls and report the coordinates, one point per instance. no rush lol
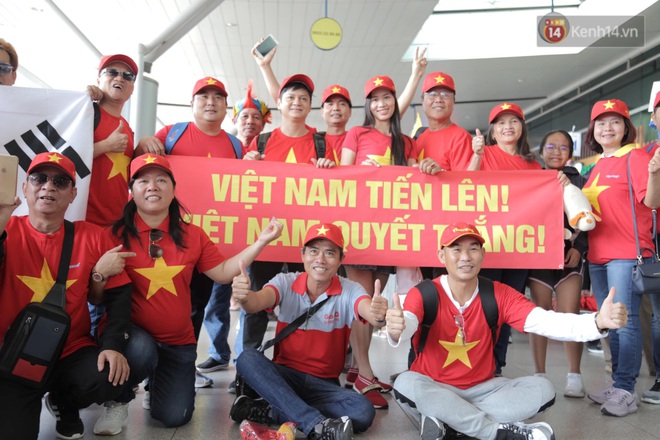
(6, 69)
(550, 148)
(444, 95)
(128, 76)
(460, 323)
(155, 236)
(60, 181)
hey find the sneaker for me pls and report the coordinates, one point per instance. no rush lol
(246, 408)
(113, 418)
(333, 429)
(574, 385)
(432, 428)
(620, 403)
(202, 381)
(231, 388)
(69, 425)
(652, 395)
(210, 365)
(146, 402)
(371, 390)
(595, 347)
(522, 431)
(351, 376)
(601, 396)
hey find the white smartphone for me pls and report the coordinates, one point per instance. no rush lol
(266, 46)
(8, 177)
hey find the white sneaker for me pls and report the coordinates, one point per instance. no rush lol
(601, 396)
(146, 402)
(113, 418)
(574, 386)
(202, 381)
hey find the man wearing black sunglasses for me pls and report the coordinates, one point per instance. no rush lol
(30, 251)
(8, 63)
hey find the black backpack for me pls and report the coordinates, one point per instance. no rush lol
(319, 143)
(430, 298)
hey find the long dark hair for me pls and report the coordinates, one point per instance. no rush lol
(400, 142)
(629, 135)
(522, 146)
(562, 132)
(125, 228)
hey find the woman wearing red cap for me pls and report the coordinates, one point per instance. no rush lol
(162, 346)
(612, 245)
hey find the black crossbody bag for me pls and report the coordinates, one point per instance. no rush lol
(35, 340)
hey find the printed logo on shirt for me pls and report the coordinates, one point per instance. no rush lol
(331, 318)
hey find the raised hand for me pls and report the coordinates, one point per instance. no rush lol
(240, 288)
(379, 304)
(117, 141)
(396, 323)
(612, 315)
(272, 231)
(478, 143)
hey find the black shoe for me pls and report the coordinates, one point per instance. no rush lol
(210, 365)
(333, 429)
(255, 410)
(522, 431)
(595, 346)
(231, 388)
(69, 425)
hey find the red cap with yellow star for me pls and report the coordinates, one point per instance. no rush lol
(333, 90)
(438, 79)
(299, 78)
(118, 58)
(209, 82)
(150, 160)
(457, 230)
(656, 103)
(610, 106)
(506, 107)
(55, 160)
(327, 231)
(376, 82)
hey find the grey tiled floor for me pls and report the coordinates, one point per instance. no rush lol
(570, 418)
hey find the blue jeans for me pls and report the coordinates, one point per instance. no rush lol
(216, 321)
(302, 398)
(171, 373)
(626, 342)
(655, 333)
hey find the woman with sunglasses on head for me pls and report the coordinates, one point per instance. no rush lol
(556, 151)
(612, 244)
(378, 142)
(162, 346)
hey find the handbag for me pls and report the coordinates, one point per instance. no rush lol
(645, 276)
(242, 388)
(35, 340)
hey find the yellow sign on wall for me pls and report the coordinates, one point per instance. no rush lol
(326, 33)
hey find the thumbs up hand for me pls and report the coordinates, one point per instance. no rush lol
(240, 287)
(478, 143)
(396, 323)
(612, 315)
(117, 141)
(378, 304)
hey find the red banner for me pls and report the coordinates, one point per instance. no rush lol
(389, 215)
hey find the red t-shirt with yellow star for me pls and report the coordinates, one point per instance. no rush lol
(450, 147)
(445, 359)
(607, 191)
(283, 148)
(369, 143)
(333, 144)
(161, 286)
(194, 142)
(108, 187)
(29, 270)
(494, 158)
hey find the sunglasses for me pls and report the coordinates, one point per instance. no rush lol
(128, 76)
(60, 181)
(155, 236)
(6, 69)
(459, 320)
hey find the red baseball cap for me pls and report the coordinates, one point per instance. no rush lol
(150, 160)
(457, 230)
(505, 108)
(657, 101)
(118, 58)
(438, 79)
(376, 82)
(300, 78)
(610, 106)
(333, 90)
(209, 82)
(327, 231)
(55, 160)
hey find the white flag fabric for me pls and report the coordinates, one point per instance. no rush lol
(34, 121)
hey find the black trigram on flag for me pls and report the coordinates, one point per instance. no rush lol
(37, 146)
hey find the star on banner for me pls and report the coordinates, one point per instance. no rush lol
(40, 286)
(456, 351)
(160, 276)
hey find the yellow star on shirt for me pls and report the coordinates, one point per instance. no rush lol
(385, 159)
(439, 79)
(336, 89)
(378, 82)
(457, 351)
(609, 104)
(42, 285)
(161, 276)
(120, 164)
(593, 191)
(505, 106)
(291, 157)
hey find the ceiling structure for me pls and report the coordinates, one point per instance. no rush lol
(60, 42)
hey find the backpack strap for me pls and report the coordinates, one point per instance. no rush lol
(173, 135)
(262, 140)
(489, 304)
(57, 294)
(430, 300)
(319, 144)
(419, 131)
(238, 147)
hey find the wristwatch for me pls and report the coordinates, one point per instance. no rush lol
(99, 278)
